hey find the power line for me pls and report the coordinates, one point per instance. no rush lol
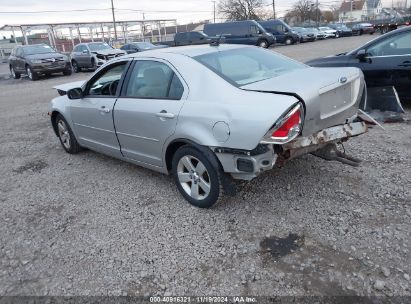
(59, 11)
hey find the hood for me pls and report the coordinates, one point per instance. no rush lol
(46, 56)
(331, 95)
(109, 52)
(63, 88)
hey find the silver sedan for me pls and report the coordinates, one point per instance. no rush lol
(208, 114)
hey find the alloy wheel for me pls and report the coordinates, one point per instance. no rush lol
(263, 44)
(64, 134)
(193, 177)
(29, 73)
(13, 73)
(75, 67)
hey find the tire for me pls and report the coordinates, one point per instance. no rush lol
(68, 72)
(337, 35)
(14, 74)
(196, 178)
(93, 64)
(75, 66)
(361, 32)
(32, 75)
(288, 41)
(263, 43)
(66, 135)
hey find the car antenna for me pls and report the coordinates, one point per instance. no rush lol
(215, 41)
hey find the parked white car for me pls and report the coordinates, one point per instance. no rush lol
(329, 32)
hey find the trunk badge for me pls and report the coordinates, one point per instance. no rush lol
(343, 79)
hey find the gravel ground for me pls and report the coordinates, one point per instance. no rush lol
(88, 224)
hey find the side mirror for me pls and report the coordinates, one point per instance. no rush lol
(76, 93)
(361, 55)
(85, 51)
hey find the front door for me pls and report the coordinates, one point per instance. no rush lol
(92, 115)
(388, 63)
(146, 113)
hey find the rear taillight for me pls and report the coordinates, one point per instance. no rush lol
(287, 127)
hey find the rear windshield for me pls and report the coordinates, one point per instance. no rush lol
(247, 65)
(37, 49)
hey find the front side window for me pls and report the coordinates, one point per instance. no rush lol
(82, 48)
(253, 30)
(154, 80)
(106, 83)
(247, 65)
(397, 45)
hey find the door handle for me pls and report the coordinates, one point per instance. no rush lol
(104, 109)
(406, 64)
(165, 114)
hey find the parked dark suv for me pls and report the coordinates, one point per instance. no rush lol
(190, 38)
(37, 59)
(241, 32)
(281, 31)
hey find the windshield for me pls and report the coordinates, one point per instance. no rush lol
(38, 49)
(247, 65)
(99, 46)
(145, 45)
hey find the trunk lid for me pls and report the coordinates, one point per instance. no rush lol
(331, 95)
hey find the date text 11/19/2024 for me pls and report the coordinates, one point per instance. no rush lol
(203, 299)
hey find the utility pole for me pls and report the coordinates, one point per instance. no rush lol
(351, 11)
(316, 13)
(274, 9)
(114, 21)
(214, 10)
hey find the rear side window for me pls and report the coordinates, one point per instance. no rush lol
(154, 80)
(247, 65)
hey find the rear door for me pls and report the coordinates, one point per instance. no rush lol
(19, 60)
(181, 39)
(92, 115)
(146, 113)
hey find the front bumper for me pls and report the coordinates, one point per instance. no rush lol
(272, 155)
(52, 67)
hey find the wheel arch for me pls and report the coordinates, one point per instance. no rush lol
(226, 180)
(174, 145)
(53, 117)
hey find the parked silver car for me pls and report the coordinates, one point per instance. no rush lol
(92, 55)
(207, 114)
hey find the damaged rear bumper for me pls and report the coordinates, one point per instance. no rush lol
(246, 165)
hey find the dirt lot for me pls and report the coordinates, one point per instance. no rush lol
(88, 224)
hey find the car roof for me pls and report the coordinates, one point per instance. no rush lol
(192, 50)
(24, 46)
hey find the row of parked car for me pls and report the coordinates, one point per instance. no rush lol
(34, 60)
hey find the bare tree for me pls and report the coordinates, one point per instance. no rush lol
(241, 9)
(302, 10)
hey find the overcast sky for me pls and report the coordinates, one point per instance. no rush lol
(182, 10)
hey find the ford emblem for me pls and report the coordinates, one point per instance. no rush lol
(343, 79)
